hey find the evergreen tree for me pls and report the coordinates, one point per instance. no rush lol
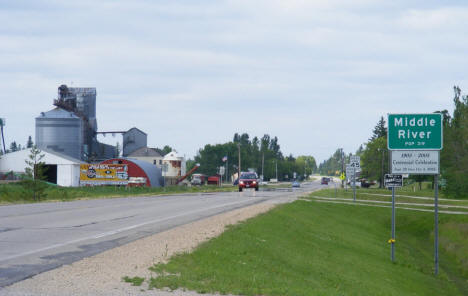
(454, 156)
(333, 165)
(379, 130)
(13, 146)
(30, 143)
(35, 171)
(374, 160)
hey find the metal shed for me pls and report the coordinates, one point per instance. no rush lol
(140, 169)
(62, 169)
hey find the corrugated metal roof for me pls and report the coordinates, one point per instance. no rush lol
(152, 171)
(64, 156)
(145, 151)
(57, 113)
(134, 129)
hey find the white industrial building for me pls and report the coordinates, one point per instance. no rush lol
(61, 169)
(175, 167)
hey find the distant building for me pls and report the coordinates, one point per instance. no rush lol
(133, 140)
(150, 155)
(176, 167)
(60, 169)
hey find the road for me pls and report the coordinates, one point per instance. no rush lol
(38, 237)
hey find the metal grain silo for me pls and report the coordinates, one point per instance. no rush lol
(86, 103)
(60, 131)
(133, 139)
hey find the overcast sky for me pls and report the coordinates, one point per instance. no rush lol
(316, 74)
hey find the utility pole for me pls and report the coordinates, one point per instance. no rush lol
(239, 167)
(220, 177)
(263, 162)
(382, 176)
(227, 166)
(276, 165)
(342, 167)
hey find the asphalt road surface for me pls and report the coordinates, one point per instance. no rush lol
(38, 237)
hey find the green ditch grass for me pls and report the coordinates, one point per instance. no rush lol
(312, 248)
(17, 193)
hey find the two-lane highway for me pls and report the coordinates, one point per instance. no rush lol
(39, 237)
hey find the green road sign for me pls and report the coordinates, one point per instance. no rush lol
(415, 131)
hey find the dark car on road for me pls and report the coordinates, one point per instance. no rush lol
(325, 181)
(366, 183)
(248, 180)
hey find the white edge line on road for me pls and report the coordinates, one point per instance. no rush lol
(108, 233)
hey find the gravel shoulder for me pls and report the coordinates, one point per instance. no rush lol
(102, 274)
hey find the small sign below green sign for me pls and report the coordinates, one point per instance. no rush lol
(415, 131)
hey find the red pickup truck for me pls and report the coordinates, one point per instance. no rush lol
(248, 180)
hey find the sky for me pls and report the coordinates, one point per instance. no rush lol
(316, 74)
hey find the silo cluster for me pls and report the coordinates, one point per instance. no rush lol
(71, 127)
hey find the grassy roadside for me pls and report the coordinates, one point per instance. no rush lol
(311, 248)
(14, 193)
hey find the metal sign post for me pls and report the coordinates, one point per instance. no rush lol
(352, 170)
(416, 141)
(392, 240)
(436, 224)
(393, 181)
(354, 184)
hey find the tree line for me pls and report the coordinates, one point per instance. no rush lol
(258, 154)
(453, 157)
(17, 147)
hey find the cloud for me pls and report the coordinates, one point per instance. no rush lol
(317, 74)
(435, 20)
